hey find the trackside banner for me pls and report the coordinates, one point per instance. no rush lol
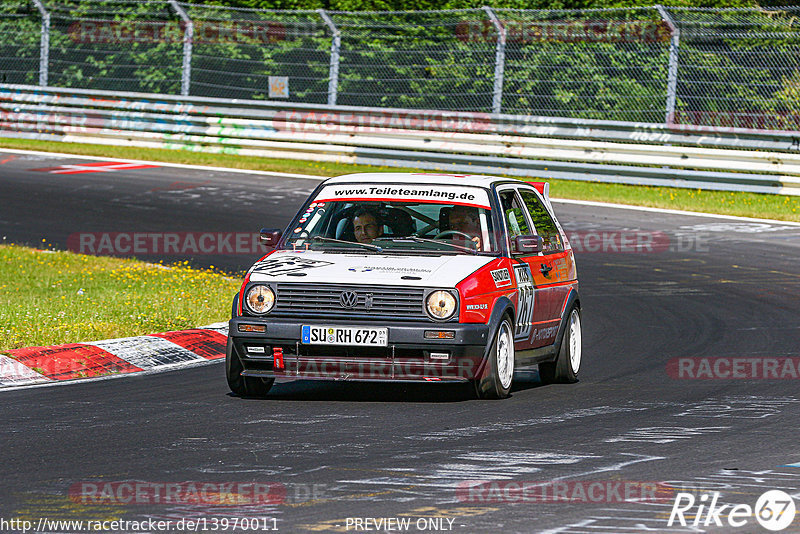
(445, 194)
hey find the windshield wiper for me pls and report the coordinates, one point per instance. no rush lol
(439, 242)
(368, 246)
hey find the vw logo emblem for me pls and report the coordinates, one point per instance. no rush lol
(348, 299)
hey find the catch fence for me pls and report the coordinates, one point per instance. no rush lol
(731, 68)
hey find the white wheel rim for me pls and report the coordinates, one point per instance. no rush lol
(505, 356)
(575, 342)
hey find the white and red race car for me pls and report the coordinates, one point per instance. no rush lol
(411, 277)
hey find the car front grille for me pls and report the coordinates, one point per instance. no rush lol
(369, 302)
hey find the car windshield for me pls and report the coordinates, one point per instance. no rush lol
(364, 220)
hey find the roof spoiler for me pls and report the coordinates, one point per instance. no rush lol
(544, 190)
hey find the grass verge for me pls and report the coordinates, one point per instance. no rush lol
(781, 207)
(49, 297)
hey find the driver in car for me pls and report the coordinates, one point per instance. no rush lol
(465, 219)
(367, 226)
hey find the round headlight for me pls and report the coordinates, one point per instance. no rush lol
(260, 299)
(441, 305)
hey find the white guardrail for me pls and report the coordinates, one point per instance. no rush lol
(535, 147)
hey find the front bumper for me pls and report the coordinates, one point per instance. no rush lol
(407, 357)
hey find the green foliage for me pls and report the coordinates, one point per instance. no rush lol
(790, 93)
(114, 46)
(19, 47)
(736, 68)
(414, 5)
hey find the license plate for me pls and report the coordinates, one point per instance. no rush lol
(344, 335)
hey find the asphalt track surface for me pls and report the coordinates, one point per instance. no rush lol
(723, 288)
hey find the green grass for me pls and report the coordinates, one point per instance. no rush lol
(742, 204)
(41, 302)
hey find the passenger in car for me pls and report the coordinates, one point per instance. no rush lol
(367, 225)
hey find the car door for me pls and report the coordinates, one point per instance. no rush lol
(531, 303)
(553, 275)
(540, 276)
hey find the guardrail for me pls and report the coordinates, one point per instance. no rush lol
(538, 147)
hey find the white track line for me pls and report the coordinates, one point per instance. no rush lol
(162, 164)
(320, 178)
(671, 212)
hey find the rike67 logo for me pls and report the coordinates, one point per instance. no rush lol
(774, 510)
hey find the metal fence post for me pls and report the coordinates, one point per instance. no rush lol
(499, 60)
(672, 73)
(336, 45)
(188, 38)
(44, 44)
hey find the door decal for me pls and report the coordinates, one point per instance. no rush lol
(526, 297)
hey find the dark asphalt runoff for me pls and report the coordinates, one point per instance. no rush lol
(354, 457)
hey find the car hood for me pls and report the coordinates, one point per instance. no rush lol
(373, 269)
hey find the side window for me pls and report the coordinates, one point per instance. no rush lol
(543, 223)
(514, 214)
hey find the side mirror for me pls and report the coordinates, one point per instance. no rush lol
(269, 237)
(528, 244)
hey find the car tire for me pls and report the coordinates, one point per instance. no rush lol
(565, 369)
(496, 382)
(243, 386)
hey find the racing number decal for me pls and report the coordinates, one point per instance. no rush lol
(525, 299)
